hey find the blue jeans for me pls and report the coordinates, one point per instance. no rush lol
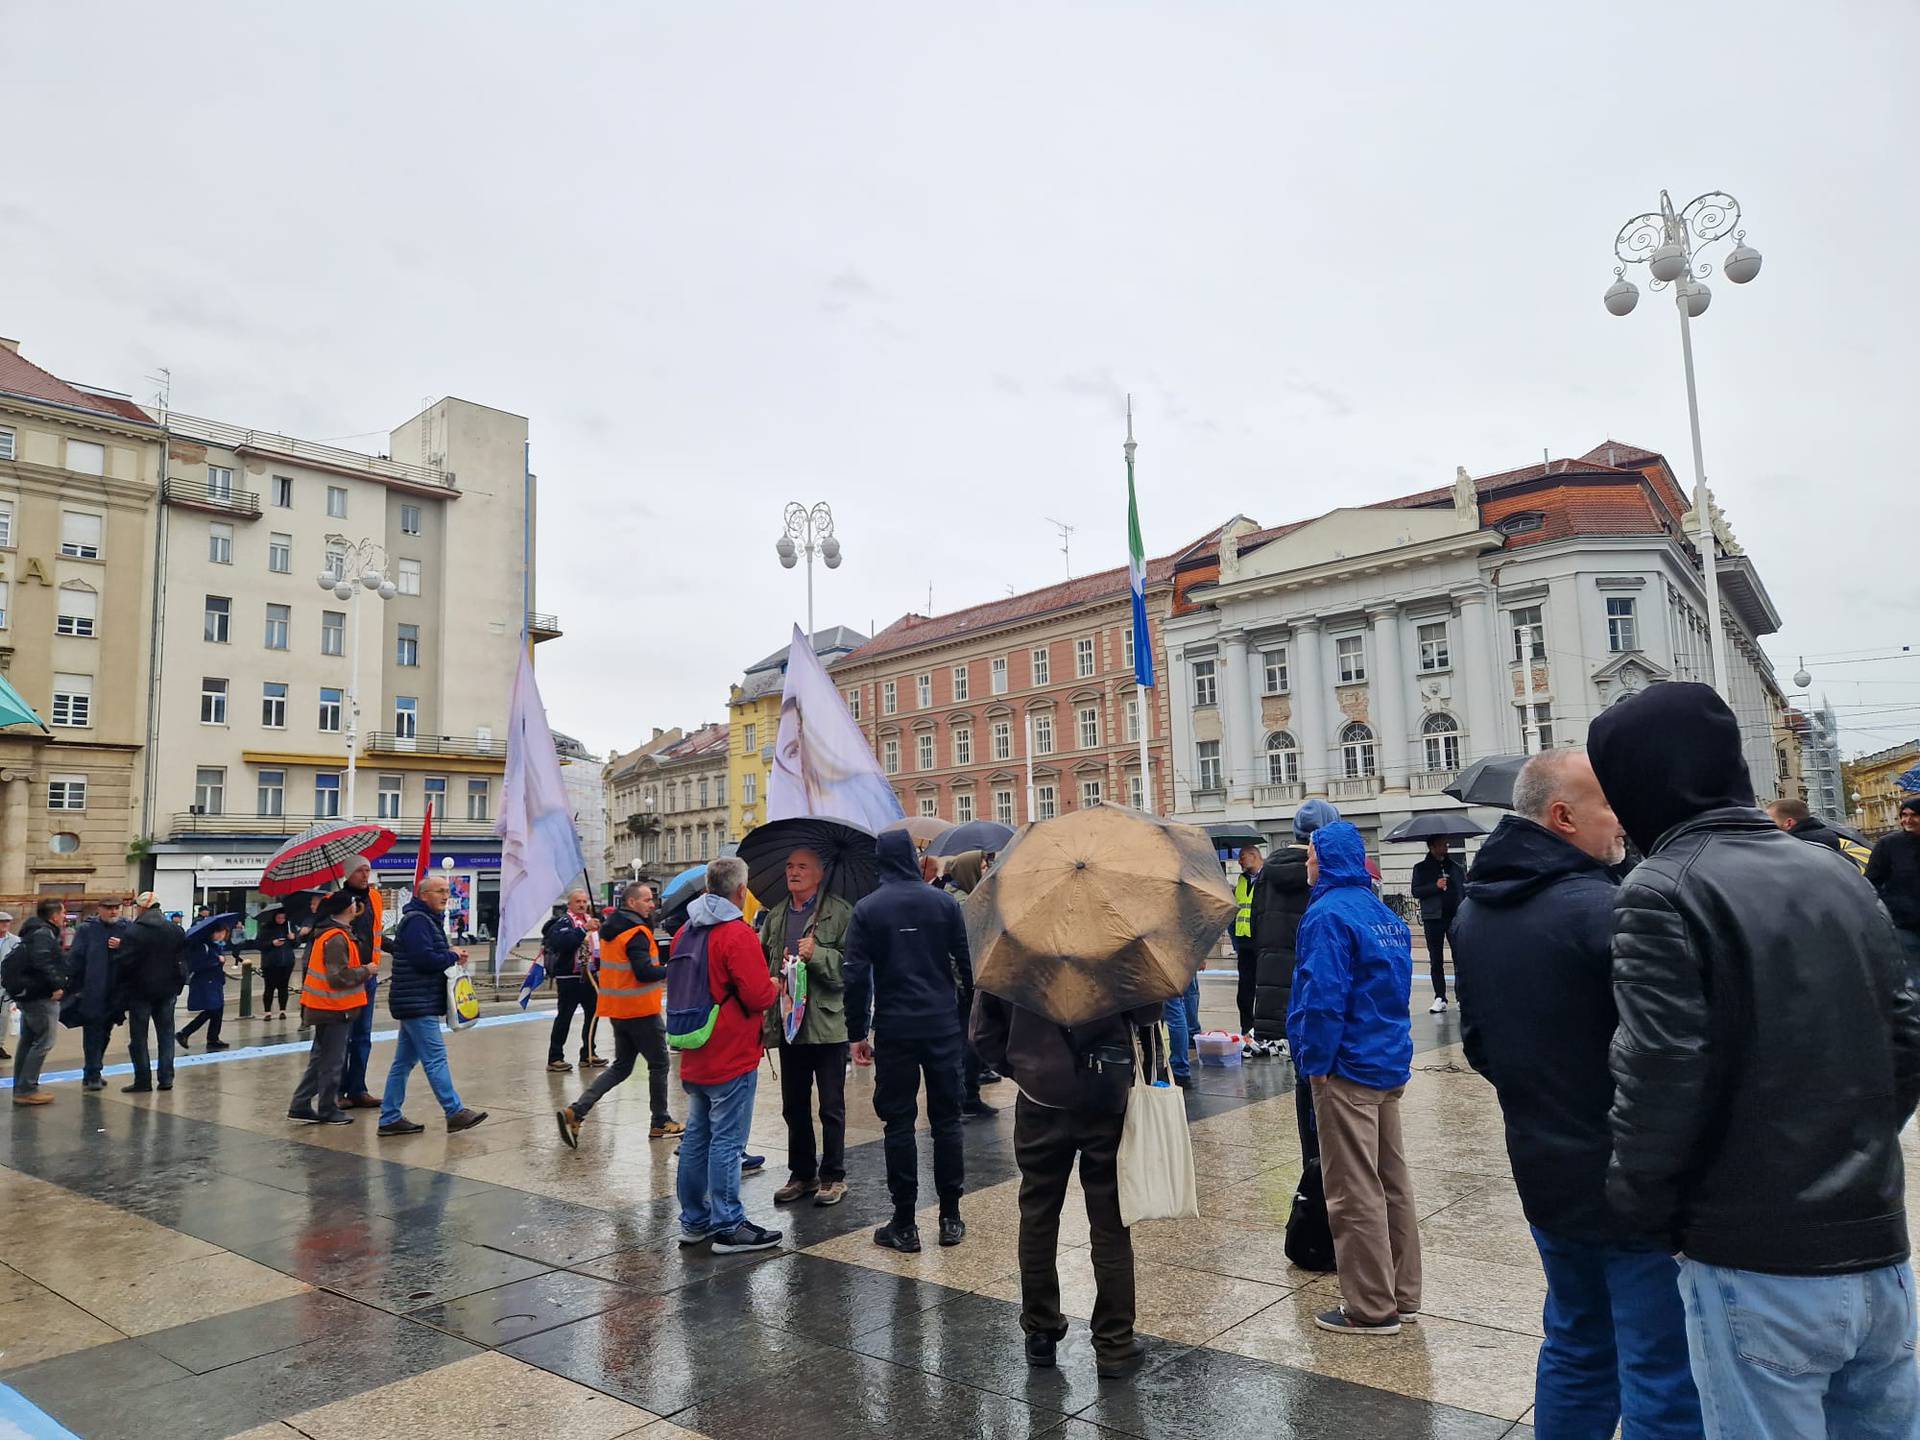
(359, 1045)
(1179, 1057)
(1821, 1355)
(1193, 1006)
(1616, 1346)
(709, 1182)
(422, 1044)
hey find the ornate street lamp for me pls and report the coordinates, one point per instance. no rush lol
(365, 562)
(808, 532)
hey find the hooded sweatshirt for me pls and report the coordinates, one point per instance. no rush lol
(1666, 755)
(738, 979)
(966, 869)
(906, 953)
(1350, 1015)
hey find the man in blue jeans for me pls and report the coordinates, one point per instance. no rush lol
(417, 996)
(1180, 1037)
(1768, 1054)
(1533, 973)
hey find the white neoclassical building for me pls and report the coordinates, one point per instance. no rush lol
(1369, 654)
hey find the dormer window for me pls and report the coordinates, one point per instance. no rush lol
(1521, 522)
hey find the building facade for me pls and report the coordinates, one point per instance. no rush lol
(691, 777)
(80, 473)
(584, 775)
(1875, 779)
(633, 806)
(753, 720)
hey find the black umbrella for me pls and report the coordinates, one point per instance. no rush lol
(1440, 825)
(1488, 782)
(988, 835)
(843, 847)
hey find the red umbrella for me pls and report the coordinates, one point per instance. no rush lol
(322, 855)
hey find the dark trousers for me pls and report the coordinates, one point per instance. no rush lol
(319, 1088)
(208, 1018)
(898, 1063)
(159, 1015)
(274, 982)
(1436, 955)
(353, 1078)
(1045, 1144)
(94, 1035)
(1303, 1119)
(645, 1035)
(801, 1068)
(970, 1062)
(1248, 960)
(575, 994)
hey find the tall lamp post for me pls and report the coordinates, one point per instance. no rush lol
(1670, 244)
(808, 532)
(362, 566)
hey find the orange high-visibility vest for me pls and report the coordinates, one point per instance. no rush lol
(622, 996)
(316, 993)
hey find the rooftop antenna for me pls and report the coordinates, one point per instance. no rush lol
(163, 397)
(1066, 541)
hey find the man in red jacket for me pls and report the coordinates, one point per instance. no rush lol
(720, 1076)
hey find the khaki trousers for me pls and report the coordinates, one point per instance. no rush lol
(1376, 1230)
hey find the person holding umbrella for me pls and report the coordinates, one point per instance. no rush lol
(207, 979)
(1438, 880)
(338, 987)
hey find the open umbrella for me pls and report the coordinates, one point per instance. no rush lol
(1439, 825)
(1488, 782)
(1098, 911)
(322, 855)
(203, 928)
(14, 710)
(680, 892)
(988, 835)
(843, 847)
(925, 829)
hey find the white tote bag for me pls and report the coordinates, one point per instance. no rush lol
(1156, 1150)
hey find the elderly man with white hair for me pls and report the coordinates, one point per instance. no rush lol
(417, 997)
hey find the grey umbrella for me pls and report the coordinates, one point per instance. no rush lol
(988, 835)
(1488, 782)
(1439, 825)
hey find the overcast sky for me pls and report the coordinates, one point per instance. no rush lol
(908, 258)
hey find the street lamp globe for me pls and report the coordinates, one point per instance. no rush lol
(1622, 296)
(388, 590)
(371, 578)
(343, 589)
(1742, 265)
(1698, 297)
(1801, 679)
(327, 579)
(783, 547)
(1669, 262)
(446, 863)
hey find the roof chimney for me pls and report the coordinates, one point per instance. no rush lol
(658, 732)
(13, 345)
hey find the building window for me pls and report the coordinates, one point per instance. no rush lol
(1283, 759)
(409, 519)
(210, 790)
(433, 790)
(6, 443)
(997, 675)
(959, 682)
(219, 543)
(1358, 756)
(1276, 667)
(1003, 739)
(273, 704)
(1433, 646)
(406, 650)
(890, 755)
(853, 702)
(270, 794)
(1046, 802)
(1351, 650)
(929, 805)
(389, 797)
(1043, 734)
(279, 621)
(704, 838)
(79, 610)
(1042, 666)
(1136, 793)
(283, 493)
(1089, 794)
(333, 632)
(889, 697)
(1126, 646)
(336, 561)
(337, 502)
(1003, 806)
(749, 789)
(326, 797)
(962, 807)
(213, 701)
(1205, 686)
(1207, 754)
(926, 751)
(1089, 727)
(750, 738)
(329, 710)
(280, 554)
(720, 792)
(1542, 724)
(217, 620)
(406, 717)
(963, 745)
(1440, 734)
(922, 691)
(6, 511)
(72, 701)
(86, 458)
(220, 482)
(704, 790)
(1083, 657)
(478, 792)
(1623, 627)
(1133, 718)
(66, 792)
(1529, 632)
(79, 535)
(4, 593)
(408, 580)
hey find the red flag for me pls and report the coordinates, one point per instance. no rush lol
(424, 858)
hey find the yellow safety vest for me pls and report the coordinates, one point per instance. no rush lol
(1243, 897)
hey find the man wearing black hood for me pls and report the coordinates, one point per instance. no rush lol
(1768, 1054)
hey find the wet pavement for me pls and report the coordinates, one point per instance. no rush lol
(190, 1262)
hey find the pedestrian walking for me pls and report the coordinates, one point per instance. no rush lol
(417, 999)
(336, 989)
(274, 937)
(206, 988)
(96, 957)
(1438, 880)
(36, 976)
(369, 929)
(1071, 1108)
(632, 998)
(906, 960)
(1246, 950)
(8, 940)
(152, 973)
(571, 941)
(809, 928)
(1533, 952)
(1353, 1040)
(1894, 871)
(1767, 1055)
(717, 957)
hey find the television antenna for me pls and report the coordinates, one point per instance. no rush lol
(1066, 541)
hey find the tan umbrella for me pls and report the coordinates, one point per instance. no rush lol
(922, 829)
(1099, 911)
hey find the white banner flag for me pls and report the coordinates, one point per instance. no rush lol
(539, 849)
(821, 763)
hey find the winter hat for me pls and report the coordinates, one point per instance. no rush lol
(1312, 816)
(1668, 754)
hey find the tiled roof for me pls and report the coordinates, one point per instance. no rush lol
(1618, 452)
(707, 740)
(1486, 485)
(825, 642)
(20, 376)
(1603, 508)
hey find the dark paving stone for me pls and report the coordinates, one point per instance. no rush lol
(861, 1398)
(1087, 1430)
(1205, 1394)
(977, 1341)
(822, 1299)
(204, 1345)
(662, 1266)
(199, 1407)
(374, 1260)
(102, 1369)
(536, 1227)
(526, 1307)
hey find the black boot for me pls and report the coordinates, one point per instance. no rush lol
(901, 1235)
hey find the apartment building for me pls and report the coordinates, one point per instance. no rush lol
(632, 806)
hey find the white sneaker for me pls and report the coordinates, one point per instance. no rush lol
(1439, 1004)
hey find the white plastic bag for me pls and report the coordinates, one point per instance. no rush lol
(1156, 1151)
(463, 1001)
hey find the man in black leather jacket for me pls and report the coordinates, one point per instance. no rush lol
(1768, 1054)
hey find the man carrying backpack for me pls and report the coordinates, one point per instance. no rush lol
(35, 975)
(717, 990)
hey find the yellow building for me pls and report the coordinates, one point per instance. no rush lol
(753, 719)
(1872, 778)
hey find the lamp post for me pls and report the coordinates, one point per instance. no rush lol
(1669, 244)
(365, 562)
(206, 889)
(809, 532)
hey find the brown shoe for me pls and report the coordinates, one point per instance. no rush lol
(595, 1062)
(465, 1120)
(569, 1127)
(665, 1128)
(558, 1066)
(794, 1190)
(362, 1101)
(38, 1097)
(831, 1192)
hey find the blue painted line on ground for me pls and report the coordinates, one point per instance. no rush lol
(21, 1419)
(254, 1052)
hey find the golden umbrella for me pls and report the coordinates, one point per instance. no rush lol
(1097, 912)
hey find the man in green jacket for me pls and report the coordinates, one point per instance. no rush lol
(810, 928)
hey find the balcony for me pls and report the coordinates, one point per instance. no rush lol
(1430, 782)
(542, 627)
(193, 495)
(307, 452)
(1279, 794)
(196, 824)
(1366, 787)
(385, 742)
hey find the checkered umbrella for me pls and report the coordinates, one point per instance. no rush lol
(322, 855)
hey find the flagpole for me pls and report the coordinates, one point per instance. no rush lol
(1031, 815)
(1143, 635)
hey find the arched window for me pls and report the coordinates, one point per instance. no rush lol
(1441, 734)
(1357, 751)
(1283, 759)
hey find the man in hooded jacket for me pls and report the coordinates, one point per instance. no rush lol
(1279, 901)
(1768, 1054)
